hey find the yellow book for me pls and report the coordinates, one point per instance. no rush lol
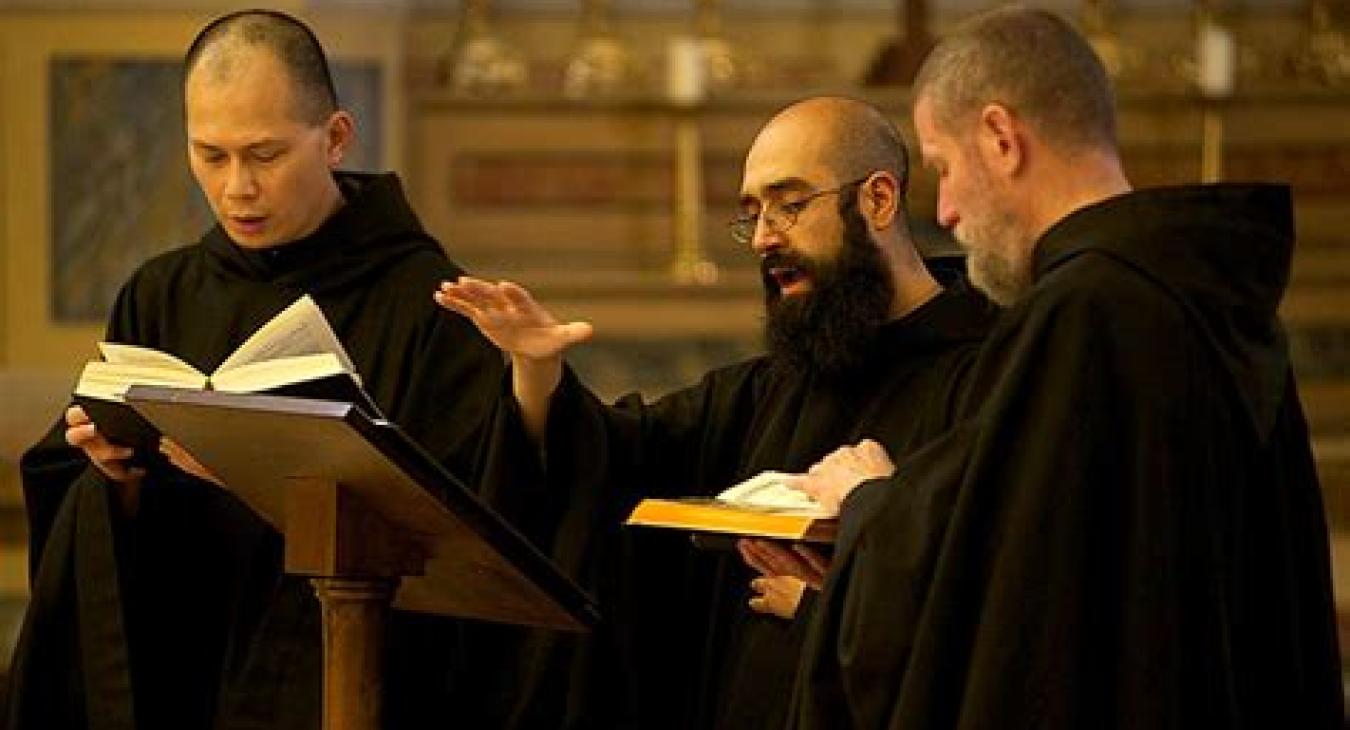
(712, 515)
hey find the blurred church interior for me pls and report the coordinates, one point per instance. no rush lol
(591, 150)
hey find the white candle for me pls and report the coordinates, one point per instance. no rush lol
(685, 70)
(1216, 58)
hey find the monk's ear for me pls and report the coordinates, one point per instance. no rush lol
(999, 139)
(341, 134)
(880, 198)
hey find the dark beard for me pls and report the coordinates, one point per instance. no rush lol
(829, 330)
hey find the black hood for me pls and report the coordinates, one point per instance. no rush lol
(374, 227)
(1222, 251)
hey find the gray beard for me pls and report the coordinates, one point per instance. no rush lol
(1003, 281)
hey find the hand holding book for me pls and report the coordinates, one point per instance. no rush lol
(777, 491)
(114, 461)
(295, 353)
(771, 558)
(833, 478)
(777, 595)
(774, 505)
(766, 505)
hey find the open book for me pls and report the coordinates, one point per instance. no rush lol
(295, 353)
(764, 505)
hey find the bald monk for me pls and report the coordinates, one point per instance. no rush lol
(158, 599)
(863, 340)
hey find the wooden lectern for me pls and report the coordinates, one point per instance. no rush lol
(372, 519)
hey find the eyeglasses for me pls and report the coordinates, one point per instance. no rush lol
(780, 216)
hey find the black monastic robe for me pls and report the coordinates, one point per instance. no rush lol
(1125, 530)
(679, 646)
(181, 617)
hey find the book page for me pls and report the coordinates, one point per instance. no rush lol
(118, 353)
(268, 374)
(300, 329)
(773, 490)
(109, 381)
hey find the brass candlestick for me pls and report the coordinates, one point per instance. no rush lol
(480, 62)
(1215, 79)
(602, 63)
(691, 265)
(1325, 57)
(724, 66)
(1122, 60)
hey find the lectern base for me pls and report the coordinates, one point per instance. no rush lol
(354, 614)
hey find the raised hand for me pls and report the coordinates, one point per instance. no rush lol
(832, 479)
(508, 316)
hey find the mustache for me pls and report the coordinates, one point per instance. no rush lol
(786, 260)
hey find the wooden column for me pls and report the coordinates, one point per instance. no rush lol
(354, 613)
(355, 559)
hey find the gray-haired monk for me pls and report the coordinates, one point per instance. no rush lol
(1125, 528)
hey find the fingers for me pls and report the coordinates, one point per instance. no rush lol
(751, 558)
(474, 290)
(492, 305)
(864, 453)
(184, 460)
(575, 332)
(454, 300)
(832, 478)
(845, 457)
(515, 295)
(106, 456)
(518, 300)
(507, 315)
(99, 449)
(464, 295)
(774, 559)
(467, 296)
(765, 557)
(779, 595)
(873, 455)
(823, 487)
(812, 557)
(870, 449)
(75, 416)
(484, 297)
(817, 565)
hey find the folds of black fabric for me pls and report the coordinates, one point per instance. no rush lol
(1126, 528)
(678, 647)
(214, 634)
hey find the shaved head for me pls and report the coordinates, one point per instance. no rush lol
(830, 277)
(231, 41)
(852, 138)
